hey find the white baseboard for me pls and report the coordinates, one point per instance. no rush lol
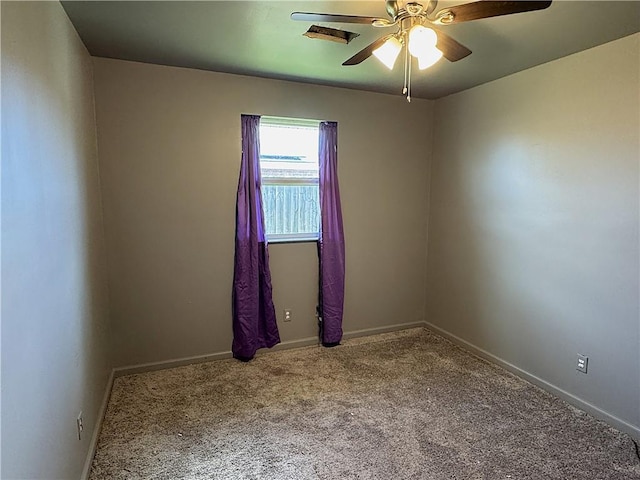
(289, 344)
(377, 330)
(303, 342)
(176, 362)
(93, 444)
(600, 414)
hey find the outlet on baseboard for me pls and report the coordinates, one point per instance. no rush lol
(583, 361)
(79, 425)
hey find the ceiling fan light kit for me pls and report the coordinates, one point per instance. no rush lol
(421, 42)
(429, 58)
(388, 52)
(422, 45)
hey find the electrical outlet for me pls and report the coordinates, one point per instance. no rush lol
(79, 425)
(583, 361)
(287, 314)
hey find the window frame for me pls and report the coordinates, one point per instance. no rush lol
(280, 181)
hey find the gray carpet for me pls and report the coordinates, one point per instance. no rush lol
(406, 405)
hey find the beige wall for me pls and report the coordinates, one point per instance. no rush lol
(54, 297)
(533, 246)
(169, 141)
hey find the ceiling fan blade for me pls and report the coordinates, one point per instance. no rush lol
(366, 52)
(451, 49)
(328, 17)
(486, 9)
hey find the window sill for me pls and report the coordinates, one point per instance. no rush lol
(292, 240)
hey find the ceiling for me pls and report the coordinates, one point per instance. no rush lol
(258, 38)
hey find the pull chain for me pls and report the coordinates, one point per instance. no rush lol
(406, 55)
(409, 89)
(406, 88)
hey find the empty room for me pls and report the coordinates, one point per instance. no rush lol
(320, 240)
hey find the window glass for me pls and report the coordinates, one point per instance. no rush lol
(289, 169)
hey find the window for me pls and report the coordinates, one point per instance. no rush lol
(289, 170)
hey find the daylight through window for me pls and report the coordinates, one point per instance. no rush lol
(289, 169)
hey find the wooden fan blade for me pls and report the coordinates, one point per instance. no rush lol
(366, 52)
(486, 9)
(451, 50)
(328, 17)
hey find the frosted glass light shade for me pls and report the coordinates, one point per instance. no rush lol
(388, 52)
(421, 39)
(428, 58)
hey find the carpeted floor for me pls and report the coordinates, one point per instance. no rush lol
(406, 405)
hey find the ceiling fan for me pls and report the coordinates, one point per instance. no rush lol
(412, 20)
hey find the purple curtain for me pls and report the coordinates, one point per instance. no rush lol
(331, 242)
(254, 317)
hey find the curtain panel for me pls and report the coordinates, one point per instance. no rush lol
(254, 316)
(331, 240)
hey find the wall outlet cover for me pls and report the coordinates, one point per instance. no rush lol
(583, 361)
(79, 425)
